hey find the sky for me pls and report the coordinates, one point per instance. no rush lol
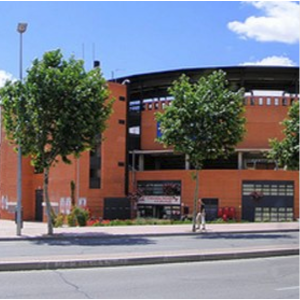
(139, 37)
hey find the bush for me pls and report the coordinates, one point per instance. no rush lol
(59, 220)
(78, 216)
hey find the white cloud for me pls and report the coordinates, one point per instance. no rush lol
(272, 61)
(4, 76)
(279, 22)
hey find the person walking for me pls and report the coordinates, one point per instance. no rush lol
(200, 218)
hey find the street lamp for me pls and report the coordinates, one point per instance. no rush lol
(21, 29)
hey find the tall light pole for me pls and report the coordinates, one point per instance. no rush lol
(21, 29)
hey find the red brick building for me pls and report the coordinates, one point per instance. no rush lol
(130, 159)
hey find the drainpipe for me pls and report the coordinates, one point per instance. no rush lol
(126, 187)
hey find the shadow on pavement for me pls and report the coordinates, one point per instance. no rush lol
(92, 240)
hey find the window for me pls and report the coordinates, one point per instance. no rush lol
(261, 101)
(276, 101)
(252, 101)
(269, 101)
(122, 98)
(122, 122)
(269, 188)
(284, 101)
(160, 188)
(95, 166)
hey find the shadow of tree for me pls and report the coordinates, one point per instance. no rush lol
(92, 239)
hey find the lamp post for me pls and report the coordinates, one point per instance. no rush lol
(21, 29)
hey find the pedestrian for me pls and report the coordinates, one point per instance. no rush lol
(200, 218)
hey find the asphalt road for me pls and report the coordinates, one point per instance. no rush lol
(131, 244)
(267, 278)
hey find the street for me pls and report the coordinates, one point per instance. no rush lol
(271, 278)
(140, 244)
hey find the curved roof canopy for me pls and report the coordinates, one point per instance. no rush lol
(151, 85)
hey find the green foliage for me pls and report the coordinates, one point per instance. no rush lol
(78, 216)
(59, 220)
(286, 152)
(59, 110)
(205, 120)
(139, 222)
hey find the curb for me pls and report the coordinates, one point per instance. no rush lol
(48, 264)
(72, 236)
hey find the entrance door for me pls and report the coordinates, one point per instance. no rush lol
(39, 205)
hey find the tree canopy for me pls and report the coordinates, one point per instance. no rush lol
(58, 110)
(286, 152)
(204, 121)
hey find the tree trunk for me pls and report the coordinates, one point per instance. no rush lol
(195, 200)
(48, 205)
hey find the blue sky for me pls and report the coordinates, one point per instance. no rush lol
(139, 37)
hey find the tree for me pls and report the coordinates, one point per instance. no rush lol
(286, 152)
(59, 110)
(204, 121)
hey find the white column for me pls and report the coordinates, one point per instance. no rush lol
(187, 162)
(141, 162)
(240, 160)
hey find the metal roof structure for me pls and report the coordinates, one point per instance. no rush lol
(149, 85)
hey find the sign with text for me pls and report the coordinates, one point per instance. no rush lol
(160, 200)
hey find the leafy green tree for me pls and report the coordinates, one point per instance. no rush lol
(58, 110)
(204, 121)
(286, 152)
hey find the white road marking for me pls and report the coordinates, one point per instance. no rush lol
(288, 288)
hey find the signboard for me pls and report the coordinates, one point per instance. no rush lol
(160, 200)
(65, 205)
(82, 202)
(62, 205)
(4, 203)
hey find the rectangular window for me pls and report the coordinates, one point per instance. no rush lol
(122, 98)
(269, 101)
(122, 122)
(261, 101)
(95, 166)
(284, 101)
(269, 188)
(276, 101)
(252, 101)
(160, 188)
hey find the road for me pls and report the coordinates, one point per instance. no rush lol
(265, 278)
(134, 244)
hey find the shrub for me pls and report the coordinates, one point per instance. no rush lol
(59, 220)
(78, 216)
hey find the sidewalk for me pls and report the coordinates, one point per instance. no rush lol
(37, 230)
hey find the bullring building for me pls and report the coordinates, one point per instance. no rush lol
(129, 159)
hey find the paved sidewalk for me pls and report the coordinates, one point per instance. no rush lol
(36, 230)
